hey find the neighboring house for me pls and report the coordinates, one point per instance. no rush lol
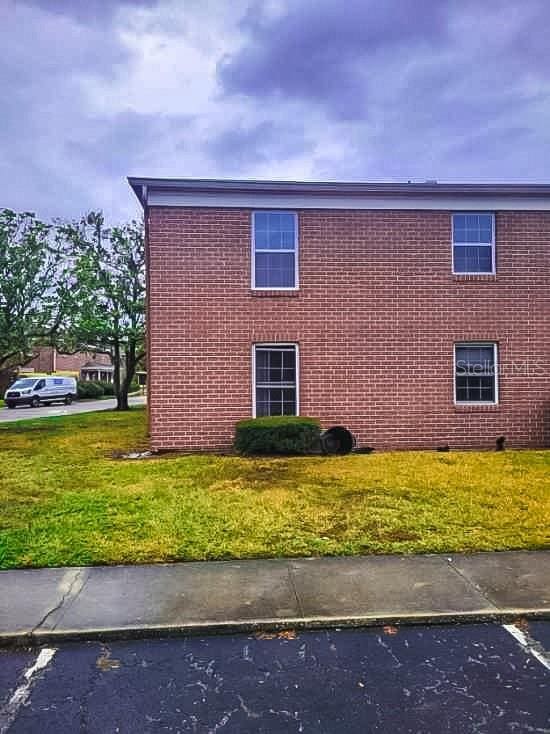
(85, 365)
(416, 315)
(97, 371)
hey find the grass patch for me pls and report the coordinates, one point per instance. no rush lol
(65, 501)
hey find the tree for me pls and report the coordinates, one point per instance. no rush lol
(109, 295)
(34, 288)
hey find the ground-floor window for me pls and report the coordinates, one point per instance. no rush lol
(275, 373)
(476, 372)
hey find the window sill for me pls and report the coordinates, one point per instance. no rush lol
(461, 277)
(476, 408)
(275, 293)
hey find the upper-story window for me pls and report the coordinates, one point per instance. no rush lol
(274, 250)
(473, 243)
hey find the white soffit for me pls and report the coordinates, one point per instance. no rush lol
(228, 199)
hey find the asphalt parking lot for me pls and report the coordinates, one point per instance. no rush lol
(463, 678)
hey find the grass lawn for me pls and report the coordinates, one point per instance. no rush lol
(65, 501)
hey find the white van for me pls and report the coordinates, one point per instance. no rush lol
(36, 391)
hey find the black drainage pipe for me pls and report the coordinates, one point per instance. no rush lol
(337, 440)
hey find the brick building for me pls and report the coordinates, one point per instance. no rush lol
(415, 315)
(86, 365)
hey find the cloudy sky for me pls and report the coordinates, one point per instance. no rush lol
(95, 90)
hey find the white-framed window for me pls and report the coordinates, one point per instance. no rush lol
(274, 250)
(476, 373)
(473, 243)
(275, 379)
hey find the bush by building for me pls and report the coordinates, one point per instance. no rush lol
(89, 390)
(278, 435)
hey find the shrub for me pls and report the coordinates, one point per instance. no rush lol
(134, 386)
(277, 435)
(108, 387)
(88, 389)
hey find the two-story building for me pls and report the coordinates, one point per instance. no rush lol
(416, 315)
(84, 365)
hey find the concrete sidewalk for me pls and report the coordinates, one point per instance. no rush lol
(132, 601)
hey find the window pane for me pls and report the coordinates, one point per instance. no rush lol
(486, 235)
(261, 239)
(475, 379)
(275, 240)
(262, 402)
(478, 391)
(485, 221)
(459, 235)
(261, 366)
(289, 357)
(487, 387)
(274, 270)
(473, 259)
(475, 360)
(274, 221)
(459, 220)
(287, 222)
(269, 366)
(473, 228)
(275, 373)
(274, 367)
(260, 221)
(460, 259)
(485, 260)
(289, 374)
(289, 402)
(287, 240)
(274, 230)
(274, 401)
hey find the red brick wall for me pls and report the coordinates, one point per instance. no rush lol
(376, 319)
(67, 362)
(44, 361)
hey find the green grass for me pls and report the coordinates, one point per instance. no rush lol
(65, 501)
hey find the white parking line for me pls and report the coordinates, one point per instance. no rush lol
(21, 695)
(528, 644)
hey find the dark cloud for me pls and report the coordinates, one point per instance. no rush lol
(45, 106)
(444, 89)
(127, 138)
(324, 50)
(238, 146)
(39, 49)
(366, 89)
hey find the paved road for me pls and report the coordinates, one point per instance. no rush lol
(482, 678)
(85, 406)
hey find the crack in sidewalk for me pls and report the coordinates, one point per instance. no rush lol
(294, 589)
(471, 583)
(75, 587)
